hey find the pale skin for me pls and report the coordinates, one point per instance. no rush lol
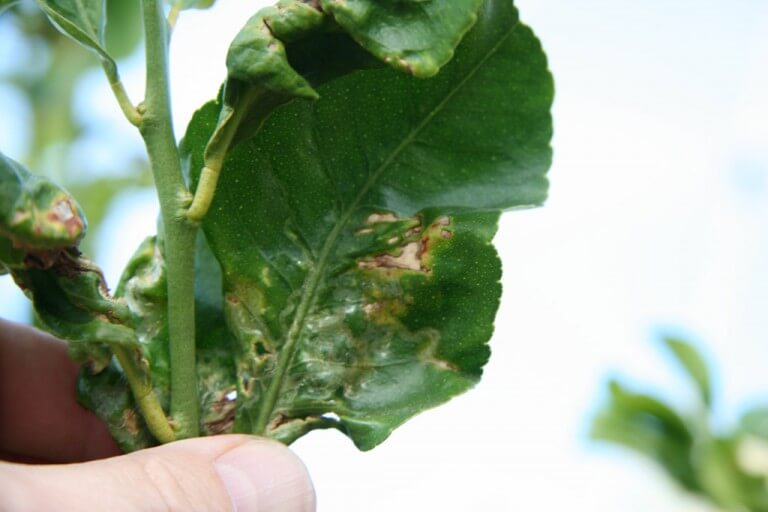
(43, 431)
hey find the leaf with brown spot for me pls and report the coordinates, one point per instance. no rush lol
(354, 234)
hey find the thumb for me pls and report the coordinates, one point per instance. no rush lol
(221, 473)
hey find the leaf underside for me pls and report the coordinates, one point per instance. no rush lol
(82, 20)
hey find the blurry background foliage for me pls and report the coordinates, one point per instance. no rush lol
(47, 71)
(730, 469)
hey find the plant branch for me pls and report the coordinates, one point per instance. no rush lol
(145, 397)
(179, 234)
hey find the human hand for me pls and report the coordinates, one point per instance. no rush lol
(42, 427)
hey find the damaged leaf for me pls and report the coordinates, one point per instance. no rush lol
(143, 289)
(35, 213)
(354, 234)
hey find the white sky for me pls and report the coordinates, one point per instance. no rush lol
(656, 220)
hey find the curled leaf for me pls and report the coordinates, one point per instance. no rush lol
(417, 37)
(35, 213)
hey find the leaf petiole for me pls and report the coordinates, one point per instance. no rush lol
(144, 395)
(216, 152)
(173, 14)
(126, 105)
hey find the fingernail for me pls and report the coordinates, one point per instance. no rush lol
(265, 476)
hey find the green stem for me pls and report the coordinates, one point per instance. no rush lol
(145, 397)
(179, 234)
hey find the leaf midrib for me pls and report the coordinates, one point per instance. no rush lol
(309, 295)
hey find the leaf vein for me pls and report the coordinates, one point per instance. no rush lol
(313, 279)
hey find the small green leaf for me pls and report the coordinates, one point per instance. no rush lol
(36, 214)
(354, 234)
(418, 37)
(84, 21)
(650, 427)
(694, 365)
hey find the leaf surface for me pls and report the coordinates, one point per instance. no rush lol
(418, 37)
(84, 21)
(354, 234)
(34, 212)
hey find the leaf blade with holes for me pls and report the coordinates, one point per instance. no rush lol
(361, 291)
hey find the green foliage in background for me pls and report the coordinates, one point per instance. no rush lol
(729, 469)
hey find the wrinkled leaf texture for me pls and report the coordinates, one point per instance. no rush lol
(354, 234)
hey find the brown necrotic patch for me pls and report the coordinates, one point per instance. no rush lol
(222, 415)
(410, 247)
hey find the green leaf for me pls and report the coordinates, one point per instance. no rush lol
(84, 21)
(354, 234)
(694, 365)
(258, 57)
(283, 52)
(651, 428)
(35, 213)
(418, 37)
